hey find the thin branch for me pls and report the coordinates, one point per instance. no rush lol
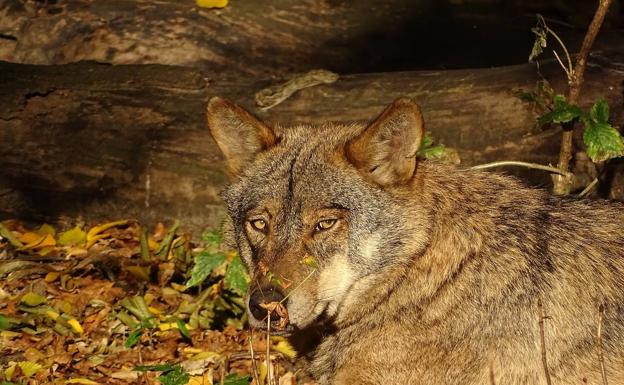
(562, 185)
(535, 166)
(569, 71)
(603, 370)
(588, 188)
(543, 341)
(268, 348)
(588, 41)
(253, 358)
(298, 286)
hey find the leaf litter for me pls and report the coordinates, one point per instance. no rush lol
(116, 303)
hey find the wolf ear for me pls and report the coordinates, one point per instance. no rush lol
(386, 150)
(239, 135)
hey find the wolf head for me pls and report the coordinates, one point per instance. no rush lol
(313, 210)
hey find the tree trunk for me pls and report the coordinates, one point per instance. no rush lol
(267, 38)
(101, 141)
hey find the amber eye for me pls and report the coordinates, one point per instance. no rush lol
(258, 224)
(325, 224)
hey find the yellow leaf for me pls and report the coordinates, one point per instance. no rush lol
(99, 228)
(33, 299)
(75, 251)
(152, 244)
(40, 242)
(30, 237)
(82, 380)
(46, 229)
(205, 355)
(148, 298)
(52, 314)
(29, 368)
(154, 310)
(73, 237)
(9, 334)
(91, 241)
(52, 276)
(64, 306)
(262, 372)
(166, 326)
(204, 379)
(45, 250)
(211, 3)
(8, 373)
(285, 348)
(75, 325)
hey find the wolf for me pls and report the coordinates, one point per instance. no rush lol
(399, 270)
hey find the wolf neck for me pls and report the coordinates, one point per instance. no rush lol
(465, 208)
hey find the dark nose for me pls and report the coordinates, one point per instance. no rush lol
(264, 296)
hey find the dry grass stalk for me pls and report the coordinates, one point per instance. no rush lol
(542, 317)
(603, 369)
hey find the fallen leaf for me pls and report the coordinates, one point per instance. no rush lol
(73, 237)
(33, 299)
(212, 3)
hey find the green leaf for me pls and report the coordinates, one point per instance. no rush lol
(562, 112)
(165, 245)
(155, 368)
(177, 376)
(426, 142)
(526, 96)
(4, 323)
(205, 262)
(133, 338)
(600, 111)
(434, 152)
(137, 306)
(183, 329)
(8, 235)
(602, 140)
(234, 379)
(212, 237)
(236, 277)
(428, 151)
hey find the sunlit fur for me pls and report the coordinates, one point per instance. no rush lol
(434, 279)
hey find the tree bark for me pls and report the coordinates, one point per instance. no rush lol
(105, 142)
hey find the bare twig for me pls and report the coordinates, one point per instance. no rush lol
(253, 358)
(268, 348)
(521, 164)
(603, 370)
(588, 188)
(568, 74)
(298, 286)
(543, 341)
(563, 184)
(568, 70)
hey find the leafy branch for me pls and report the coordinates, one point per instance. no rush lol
(602, 140)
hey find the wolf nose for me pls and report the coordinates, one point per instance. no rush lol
(266, 296)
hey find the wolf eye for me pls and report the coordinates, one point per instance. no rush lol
(325, 224)
(258, 224)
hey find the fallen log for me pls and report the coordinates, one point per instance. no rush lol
(99, 141)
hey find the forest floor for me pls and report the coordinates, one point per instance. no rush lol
(118, 304)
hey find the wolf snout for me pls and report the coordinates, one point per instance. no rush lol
(258, 301)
